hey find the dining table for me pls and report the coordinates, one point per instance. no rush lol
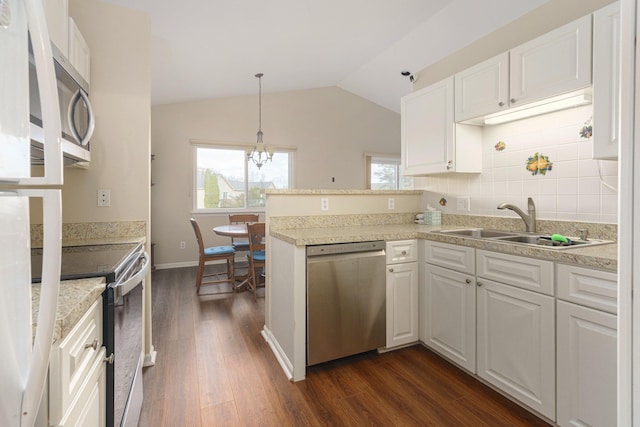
(232, 230)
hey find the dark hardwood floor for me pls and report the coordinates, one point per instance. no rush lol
(215, 369)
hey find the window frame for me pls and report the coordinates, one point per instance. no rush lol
(375, 158)
(290, 151)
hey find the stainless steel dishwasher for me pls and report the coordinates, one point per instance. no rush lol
(346, 300)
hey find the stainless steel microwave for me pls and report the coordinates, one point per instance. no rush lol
(77, 120)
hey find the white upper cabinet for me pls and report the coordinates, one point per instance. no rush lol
(552, 64)
(606, 82)
(79, 53)
(57, 14)
(482, 89)
(431, 142)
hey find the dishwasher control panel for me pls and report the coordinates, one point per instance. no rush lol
(342, 248)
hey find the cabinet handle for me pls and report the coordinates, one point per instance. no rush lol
(513, 100)
(404, 252)
(500, 104)
(391, 270)
(449, 164)
(93, 345)
(468, 281)
(109, 359)
(479, 283)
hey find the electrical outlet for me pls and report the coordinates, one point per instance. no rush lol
(324, 204)
(104, 197)
(463, 203)
(183, 245)
(391, 203)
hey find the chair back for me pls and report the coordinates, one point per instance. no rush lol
(256, 233)
(242, 244)
(243, 218)
(196, 229)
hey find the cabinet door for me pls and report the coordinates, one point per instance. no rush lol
(552, 64)
(587, 362)
(482, 89)
(606, 82)
(450, 315)
(402, 304)
(79, 53)
(516, 350)
(89, 408)
(57, 14)
(427, 129)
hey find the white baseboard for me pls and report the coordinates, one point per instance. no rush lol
(150, 358)
(282, 358)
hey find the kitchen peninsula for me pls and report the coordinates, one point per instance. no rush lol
(295, 220)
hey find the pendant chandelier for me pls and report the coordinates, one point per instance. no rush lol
(259, 154)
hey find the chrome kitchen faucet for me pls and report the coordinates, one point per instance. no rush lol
(530, 219)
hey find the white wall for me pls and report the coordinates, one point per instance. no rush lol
(571, 190)
(120, 43)
(330, 128)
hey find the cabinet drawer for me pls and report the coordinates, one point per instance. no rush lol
(401, 251)
(591, 288)
(71, 361)
(455, 257)
(527, 273)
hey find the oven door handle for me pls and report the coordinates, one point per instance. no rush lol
(121, 289)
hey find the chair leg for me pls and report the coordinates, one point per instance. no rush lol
(199, 276)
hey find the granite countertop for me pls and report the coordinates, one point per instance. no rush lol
(75, 298)
(602, 256)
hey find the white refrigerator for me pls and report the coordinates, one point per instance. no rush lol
(25, 356)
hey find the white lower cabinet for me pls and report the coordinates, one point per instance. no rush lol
(516, 345)
(77, 375)
(587, 341)
(402, 295)
(450, 315)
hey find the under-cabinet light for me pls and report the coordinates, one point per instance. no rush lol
(542, 107)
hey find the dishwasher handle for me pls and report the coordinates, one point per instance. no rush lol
(311, 259)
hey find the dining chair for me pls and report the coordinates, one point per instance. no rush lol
(213, 253)
(256, 254)
(242, 244)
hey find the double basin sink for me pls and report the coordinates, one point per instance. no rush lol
(531, 239)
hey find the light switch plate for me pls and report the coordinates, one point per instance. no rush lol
(324, 204)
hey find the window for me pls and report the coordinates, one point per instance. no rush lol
(383, 173)
(225, 180)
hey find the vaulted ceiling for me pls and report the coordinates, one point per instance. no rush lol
(212, 48)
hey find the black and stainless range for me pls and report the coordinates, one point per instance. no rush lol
(124, 267)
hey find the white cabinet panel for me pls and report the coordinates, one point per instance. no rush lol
(72, 359)
(585, 286)
(455, 257)
(587, 361)
(482, 89)
(402, 304)
(79, 53)
(606, 81)
(450, 315)
(89, 407)
(431, 143)
(401, 251)
(515, 338)
(523, 272)
(555, 63)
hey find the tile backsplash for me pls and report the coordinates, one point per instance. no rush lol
(547, 157)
